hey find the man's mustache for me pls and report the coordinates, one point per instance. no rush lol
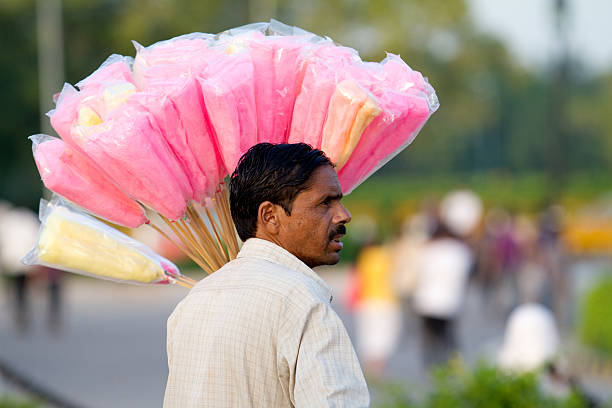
(339, 230)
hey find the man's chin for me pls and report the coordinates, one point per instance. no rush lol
(331, 259)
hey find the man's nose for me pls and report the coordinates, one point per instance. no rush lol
(343, 216)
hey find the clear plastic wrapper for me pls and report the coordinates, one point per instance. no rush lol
(324, 66)
(351, 109)
(116, 68)
(278, 72)
(184, 55)
(162, 69)
(122, 136)
(71, 174)
(229, 94)
(407, 101)
(75, 242)
(401, 119)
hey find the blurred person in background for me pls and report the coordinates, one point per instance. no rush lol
(531, 276)
(444, 266)
(552, 254)
(461, 211)
(531, 338)
(404, 273)
(378, 313)
(498, 261)
(18, 232)
(532, 344)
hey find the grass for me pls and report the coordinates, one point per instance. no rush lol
(395, 197)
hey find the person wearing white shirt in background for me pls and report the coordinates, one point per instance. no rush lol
(443, 268)
(444, 265)
(260, 331)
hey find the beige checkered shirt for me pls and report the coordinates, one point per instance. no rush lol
(260, 332)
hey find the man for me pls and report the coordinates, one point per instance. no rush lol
(260, 332)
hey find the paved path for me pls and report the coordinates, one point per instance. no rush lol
(111, 349)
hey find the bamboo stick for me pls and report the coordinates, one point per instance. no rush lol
(208, 269)
(183, 278)
(186, 285)
(230, 232)
(189, 280)
(205, 253)
(213, 250)
(209, 247)
(185, 250)
(213, 223)
(200, 223)
(228, 219)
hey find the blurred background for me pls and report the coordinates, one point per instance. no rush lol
(510, 179)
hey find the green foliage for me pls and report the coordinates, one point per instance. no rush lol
(456, 386)
(596, 320)
(8, 401)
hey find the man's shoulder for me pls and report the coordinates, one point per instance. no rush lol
(261, 276)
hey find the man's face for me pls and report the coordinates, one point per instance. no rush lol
(313, 230)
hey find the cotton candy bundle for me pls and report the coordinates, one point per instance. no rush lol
(111, 124)
(228, 88)
(406, 101)
(75, 242)
(164, 129)
(68, 172)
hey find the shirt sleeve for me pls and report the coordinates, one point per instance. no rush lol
(317, 362)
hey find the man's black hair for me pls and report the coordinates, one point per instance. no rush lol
(270, 172)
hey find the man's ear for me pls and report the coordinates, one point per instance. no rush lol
(268, 218)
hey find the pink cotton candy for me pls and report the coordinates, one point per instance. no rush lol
(72, 175)
(401, 78)
(189, 102)
(170, 68)
(115, 68)
(403, 116)
(278, 75)
(311, 104)
(351, 109)
(229, 97)
(129, 146)
(327, 50)
(196, 137)
(127, 142)
(343, 107)
(66, 110)
(185, 52)
(166, 118)
(324, 65)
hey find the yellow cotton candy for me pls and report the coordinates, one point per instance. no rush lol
(88, 117)
(116, 94)
(232, 48)
(351, 109)
(71, 245)
(366, 114)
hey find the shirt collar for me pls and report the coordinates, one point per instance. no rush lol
(269, 251)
